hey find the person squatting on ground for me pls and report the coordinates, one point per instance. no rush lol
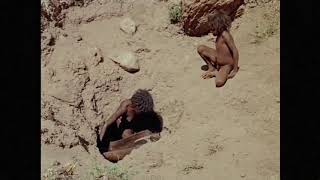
(222, 61)
(133, 123)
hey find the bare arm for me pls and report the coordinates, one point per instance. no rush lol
(120, 111)
(122, 147)
(230, 42)
(134, 139)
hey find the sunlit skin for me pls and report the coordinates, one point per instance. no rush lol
(117, 150)
(222, 61)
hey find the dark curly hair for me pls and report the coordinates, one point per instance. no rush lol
(142, 100)
(219, 21)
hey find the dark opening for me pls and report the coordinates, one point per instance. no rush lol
(151, 121)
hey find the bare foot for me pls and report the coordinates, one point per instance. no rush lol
(208, 74)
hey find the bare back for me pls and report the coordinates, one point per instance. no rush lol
(224, 53)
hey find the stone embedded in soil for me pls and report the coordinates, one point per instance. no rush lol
(243, 175)
(251, 3)
(96, 56)
(56, 163)
(128, 26)
(140, 50)
(127, 60)
(79, 38)
(47, 39)
(195, 12)
(44, 130)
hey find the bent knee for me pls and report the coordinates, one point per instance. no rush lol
(220, 82)
(201, 49)
(110, 156)
(127, 133)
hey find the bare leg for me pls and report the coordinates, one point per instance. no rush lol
(128, 141)
(209, 55)
(123, 150)
(222, 75)
(119, 154)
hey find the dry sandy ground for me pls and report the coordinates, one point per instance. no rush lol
(211, 133)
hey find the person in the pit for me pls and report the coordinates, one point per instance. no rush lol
(133, 123)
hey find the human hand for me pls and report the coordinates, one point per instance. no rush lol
(118, 121)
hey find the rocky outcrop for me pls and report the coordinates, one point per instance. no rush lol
(52, 11)
(194, 17)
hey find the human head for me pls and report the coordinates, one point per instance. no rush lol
(142, 101)
(219, 21)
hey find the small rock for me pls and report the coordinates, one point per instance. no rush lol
(243, 175)
(45, 130)
(127, 25)
(126, 60)
(90, 19)
(59, 24)
(56, 163)
(97, 56)
(79, 38)
(52, 40)
(252, 6)
(140, 50)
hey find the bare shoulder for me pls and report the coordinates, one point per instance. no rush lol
(227, 36)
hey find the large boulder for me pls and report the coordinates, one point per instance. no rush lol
(195, 12)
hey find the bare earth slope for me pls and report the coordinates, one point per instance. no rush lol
(211, 133)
